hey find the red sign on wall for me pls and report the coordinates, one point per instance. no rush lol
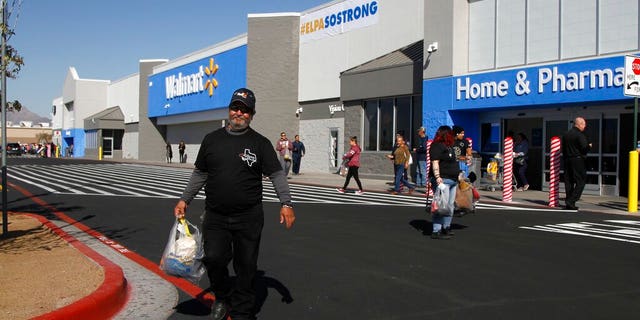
(631, 76)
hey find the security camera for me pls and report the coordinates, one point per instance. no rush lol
(433, 47)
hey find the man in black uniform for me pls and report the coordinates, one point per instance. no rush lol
(574, 153)
(231, 162)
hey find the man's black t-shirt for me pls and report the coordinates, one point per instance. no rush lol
(449, 168)
(235, 165)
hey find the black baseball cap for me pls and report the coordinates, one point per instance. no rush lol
(246, 97)
(457, 129)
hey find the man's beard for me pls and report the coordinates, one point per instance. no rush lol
(239, 125)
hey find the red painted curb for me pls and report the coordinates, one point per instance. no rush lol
(191, 289)
(106, 300)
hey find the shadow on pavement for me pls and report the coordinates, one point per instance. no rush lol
(426, 226)
(261, 286)
(193, 307)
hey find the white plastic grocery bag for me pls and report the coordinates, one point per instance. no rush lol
(440, 203)
(183, 254)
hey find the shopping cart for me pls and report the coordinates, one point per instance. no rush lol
(492, 178)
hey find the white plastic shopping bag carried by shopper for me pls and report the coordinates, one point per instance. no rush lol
(440, 202)
(183, 254)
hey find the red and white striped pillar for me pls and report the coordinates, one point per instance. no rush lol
(507, 170)
(554, 172)
(470, 161)
(429, 190)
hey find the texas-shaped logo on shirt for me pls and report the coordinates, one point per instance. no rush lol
(249, 157)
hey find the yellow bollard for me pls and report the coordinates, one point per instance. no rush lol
(99, 153)
(633, 182)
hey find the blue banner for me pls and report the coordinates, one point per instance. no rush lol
(583, 81)
(202, 85)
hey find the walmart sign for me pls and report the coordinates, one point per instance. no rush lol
(201, 85)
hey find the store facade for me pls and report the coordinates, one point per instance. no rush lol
(304, 69)
(542, 102)
(372, 68)
(531, 67)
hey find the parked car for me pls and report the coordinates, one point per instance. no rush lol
(14, 149)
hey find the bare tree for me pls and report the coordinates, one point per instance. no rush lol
(14, 60)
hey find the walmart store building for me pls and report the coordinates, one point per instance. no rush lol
(371, 68)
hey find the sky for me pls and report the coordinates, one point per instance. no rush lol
(106, 39)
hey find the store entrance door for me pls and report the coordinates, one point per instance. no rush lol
(625, 144)
(107, 147)
(532, 129)
(333, 149)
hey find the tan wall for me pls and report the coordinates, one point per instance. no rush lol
(25, 135)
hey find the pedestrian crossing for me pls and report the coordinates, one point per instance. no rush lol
(135, 180)
(617, 230)
(139, 180)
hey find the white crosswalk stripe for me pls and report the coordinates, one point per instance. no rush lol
(136, 180)
(617, 230)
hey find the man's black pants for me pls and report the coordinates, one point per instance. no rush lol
(575, 177)
(234, 237)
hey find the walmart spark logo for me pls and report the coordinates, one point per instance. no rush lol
(210, 71)
(185, 84)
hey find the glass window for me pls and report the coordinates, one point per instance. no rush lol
(593, 179)
(610, 136)
(610, 179)
(490, 137)
(403, 117)
(116, 135)
(416, 115)
(387, 134)
(371, 125)
(593, 164)
(384, 117)
(609, 164)
(553, 129)
(117, 139)
(592, 132)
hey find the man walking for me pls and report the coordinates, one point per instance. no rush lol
(230, 164)
(297, 154)
(421, 157)
(574, 153)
